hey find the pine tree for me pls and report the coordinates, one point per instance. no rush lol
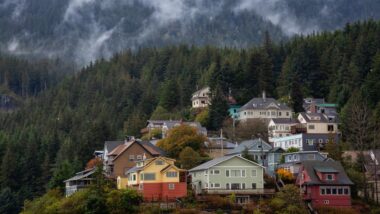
(218, 110)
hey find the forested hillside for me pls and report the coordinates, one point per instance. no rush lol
(84, 30)
(55, 134)
(20, 79)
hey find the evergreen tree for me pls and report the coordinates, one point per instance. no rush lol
(218, 110)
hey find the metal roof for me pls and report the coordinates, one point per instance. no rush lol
(217, 161)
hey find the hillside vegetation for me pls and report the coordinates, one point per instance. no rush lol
(55, 134)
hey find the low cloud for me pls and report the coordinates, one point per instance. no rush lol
(278, 13)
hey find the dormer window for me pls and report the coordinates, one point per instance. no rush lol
(329, 177)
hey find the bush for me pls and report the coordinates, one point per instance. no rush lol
(333, 210)
(285, 175)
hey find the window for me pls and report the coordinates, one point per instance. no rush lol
(237, 173)
(134, 177)
(273, 113)
(254, 173)
(131, 157)
(148, 176)
(311, 156)
(329, 177)
(227, 173)
(310, 142)
(206, 185)
(171, 174)
(253, 185)
(311, 127)
(243, 186)
(159, 162)
(326, 201)
(333, 190)
(139, 157)
(328, 191)
(320, 141)
(171, 186)
(287, 113)
(323, 191)
(206, 172)
(215, 172)
(215, 185)
(346, 191)
(227, 186)
(279, 113)
(330, 128)
(340, 191)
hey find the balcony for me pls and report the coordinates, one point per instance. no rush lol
(238, 191)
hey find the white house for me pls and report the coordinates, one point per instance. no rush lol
(279, 127)
(201, 98)
(264, 108)
(318, 123)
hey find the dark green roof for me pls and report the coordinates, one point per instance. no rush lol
(325, 169)
(328, 105)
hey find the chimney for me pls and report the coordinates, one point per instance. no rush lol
(264, 96)
(313, 108)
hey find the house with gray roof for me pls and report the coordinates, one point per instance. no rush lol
(264, 108)
(81, 180)
(257, 148)
(165, 125)
(319, 123)
(324, 183)
(292, 161)
(227, 175)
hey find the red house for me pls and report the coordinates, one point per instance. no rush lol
(324, 183)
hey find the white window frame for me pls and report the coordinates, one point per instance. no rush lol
(332, 177)
(254, 174)
(171, 174)
(171, 186)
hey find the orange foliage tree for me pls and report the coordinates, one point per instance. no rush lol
(285, 175)
(181, 137)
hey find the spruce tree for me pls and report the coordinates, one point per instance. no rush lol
(218, 110)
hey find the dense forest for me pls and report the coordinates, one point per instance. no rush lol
(20, 79)
(85, 30)
(54, 135)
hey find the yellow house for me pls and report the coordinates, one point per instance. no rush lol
(158, 179)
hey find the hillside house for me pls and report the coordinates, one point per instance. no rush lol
(264, 108)
(229, 174)
(125, 156)
(280, 127)
(292, 161)
(324, 183)
(166, 125)
(201, 98)
(257, 148)
(81, 180)
(318, 123)
(158, 179)
(217, 147)
(305, 141)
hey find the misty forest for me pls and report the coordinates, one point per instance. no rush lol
(78, 73)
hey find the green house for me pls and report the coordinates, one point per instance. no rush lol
(227, 175)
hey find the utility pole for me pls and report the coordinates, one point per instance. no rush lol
(221, 141)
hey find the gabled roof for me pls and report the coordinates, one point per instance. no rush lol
(284, 120)
(217, 161)
(82, 175)
(150, 148)
(267, 103)
(111, 145)
(319, 117)
(198, 93)
(311, 167)
(252, 145)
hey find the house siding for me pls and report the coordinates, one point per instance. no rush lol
(122, 163)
